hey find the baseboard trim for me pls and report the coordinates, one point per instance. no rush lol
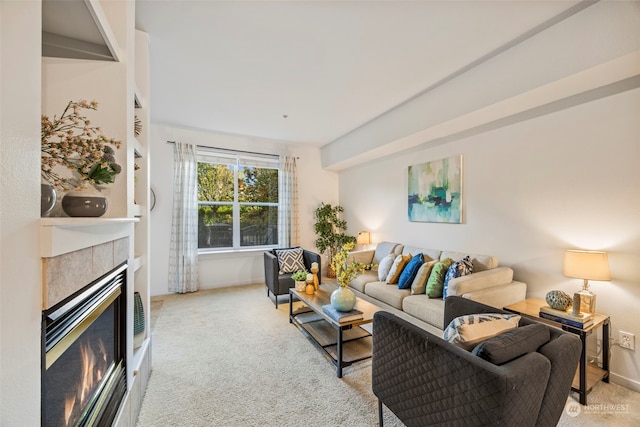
(624, 382)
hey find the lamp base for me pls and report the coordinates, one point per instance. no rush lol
(587, 301)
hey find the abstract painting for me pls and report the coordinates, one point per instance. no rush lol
(435, 191)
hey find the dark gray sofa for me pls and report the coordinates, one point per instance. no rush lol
(425, 380)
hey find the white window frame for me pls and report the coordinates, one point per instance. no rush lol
(238, 158)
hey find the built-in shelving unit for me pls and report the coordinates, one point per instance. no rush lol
(78, 29)
(141, 195)
(90, 52)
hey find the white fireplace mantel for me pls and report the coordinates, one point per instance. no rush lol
(62, 235)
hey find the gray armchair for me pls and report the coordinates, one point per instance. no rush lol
(425, 380)
(279, 284)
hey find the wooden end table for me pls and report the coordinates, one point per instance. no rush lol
(337, 339)
(587, 374)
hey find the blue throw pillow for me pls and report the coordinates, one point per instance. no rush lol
(457, 269)
(410, 271)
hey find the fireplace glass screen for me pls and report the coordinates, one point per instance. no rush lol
(73, 379)
(84, 378)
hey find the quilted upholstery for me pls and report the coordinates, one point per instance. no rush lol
(426, 381)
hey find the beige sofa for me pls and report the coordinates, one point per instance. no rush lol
(489, 283)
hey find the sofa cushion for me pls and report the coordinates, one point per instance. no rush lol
(512, 344)
(435, 284)
(388, 294)
(385, 248)
(429, 310)
(409, 272)
(428, 254)
(396, 268)
(385, 266)
(467, 331)
(361, 281)
(457, 269)
(419, 284)
(290, 260)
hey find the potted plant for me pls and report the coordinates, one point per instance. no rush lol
(300, 277)
(343, 298)
(70, 142)
(330, 230)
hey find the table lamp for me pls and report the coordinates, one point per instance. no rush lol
(364, 238)
(587, 265)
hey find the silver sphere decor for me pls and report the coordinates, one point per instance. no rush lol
(558, 300)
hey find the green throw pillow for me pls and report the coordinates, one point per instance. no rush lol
(435, 284)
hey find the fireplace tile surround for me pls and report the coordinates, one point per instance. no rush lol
(65, 274)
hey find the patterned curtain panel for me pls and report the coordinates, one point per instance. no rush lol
(183, 254)
(288, 227)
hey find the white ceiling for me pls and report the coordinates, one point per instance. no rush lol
(330, 66)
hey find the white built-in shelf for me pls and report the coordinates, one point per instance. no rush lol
(78, 29)
(139, 352)
(137, 262)
(62, 235)
(138, 149)
(138, 100)
(64, 221)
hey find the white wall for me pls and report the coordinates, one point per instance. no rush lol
(228, 269)
(20, 270)
(531, 190)
(522, 78)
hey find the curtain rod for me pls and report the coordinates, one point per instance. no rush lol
(232, 150)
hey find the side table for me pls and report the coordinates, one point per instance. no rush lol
(588, 374)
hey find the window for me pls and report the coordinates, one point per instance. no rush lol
(237, 200)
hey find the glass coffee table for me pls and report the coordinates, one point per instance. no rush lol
(344, 343)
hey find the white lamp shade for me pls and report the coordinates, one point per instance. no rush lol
(589, 265)
(364, 238)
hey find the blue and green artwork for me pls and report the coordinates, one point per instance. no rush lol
(435, 191)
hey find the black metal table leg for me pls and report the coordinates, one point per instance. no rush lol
(290, 307)
(583, 370)
(339, 361)
(605, 349)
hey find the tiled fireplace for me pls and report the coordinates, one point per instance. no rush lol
(91, 374)
(84, 354)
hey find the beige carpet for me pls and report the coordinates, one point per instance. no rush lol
(228, 358)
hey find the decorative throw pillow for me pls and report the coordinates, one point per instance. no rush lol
(385, 266)
(435, 284)
(290, 260)
(396, 268)
(457, 269)
(467, 331)
(513, 343)
(409, 272)
(419, 284)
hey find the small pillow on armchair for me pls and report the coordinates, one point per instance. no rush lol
(468, 331)
(512, 344)
(290, 260)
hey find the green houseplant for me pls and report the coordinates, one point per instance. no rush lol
(330, 231)
(299, 276)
